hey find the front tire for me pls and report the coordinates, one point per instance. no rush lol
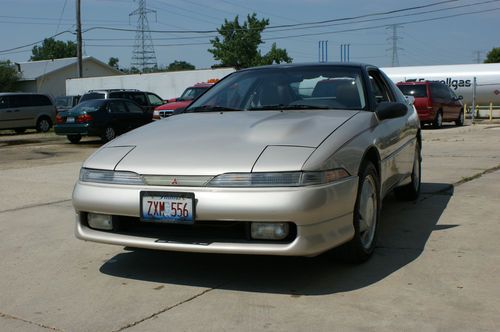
(366, 216)
(108, 135)
(438, 121)
(460, 121)
(411, 191)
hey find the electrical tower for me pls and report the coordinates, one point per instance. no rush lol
(394, 39)
(477, 56)
(143, 55)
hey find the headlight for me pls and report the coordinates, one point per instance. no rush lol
(277, 179)
(103, 176)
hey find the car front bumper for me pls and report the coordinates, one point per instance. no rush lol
(323, 216)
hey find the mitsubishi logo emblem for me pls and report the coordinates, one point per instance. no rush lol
(174, 182)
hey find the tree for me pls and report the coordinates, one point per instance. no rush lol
(113, 62)
(180, 65)
(9, 76)
(239, 44)
(493, 56)
(53, 49)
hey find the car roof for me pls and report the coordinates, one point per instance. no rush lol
(311, 64)
(21, 93)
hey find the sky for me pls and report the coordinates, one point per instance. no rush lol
(447, 32)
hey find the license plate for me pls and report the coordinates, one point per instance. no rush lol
(168, 207)
(70, 120)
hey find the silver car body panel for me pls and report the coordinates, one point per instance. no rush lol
(323, 214)
(214, 143)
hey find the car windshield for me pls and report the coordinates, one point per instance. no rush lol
(92, 95)
(63, 101)
(191, 93)
(286, 88)
(417, 91)
(88, 106)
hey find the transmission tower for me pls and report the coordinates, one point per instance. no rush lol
(394, 39)
(143, 55)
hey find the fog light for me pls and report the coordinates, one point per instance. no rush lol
(269, 231)
(100, 221)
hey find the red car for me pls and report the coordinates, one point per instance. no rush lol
(187, 97)
(435, 102)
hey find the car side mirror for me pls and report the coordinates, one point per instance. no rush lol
(390, 110)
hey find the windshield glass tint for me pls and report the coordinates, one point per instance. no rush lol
(332, 87)
(63, 101)
(92, 95)
(413, 90)
(88, 106)
(192, 93)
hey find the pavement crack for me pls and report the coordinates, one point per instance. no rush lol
(30, 206)
(156, 314)
(477, 175)
(7, 316)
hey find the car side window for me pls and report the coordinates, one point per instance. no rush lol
(40, 100)
(133, 108)
(117, 107)
(20, 101)
(154, 99)
(381, 91)
(139, 98)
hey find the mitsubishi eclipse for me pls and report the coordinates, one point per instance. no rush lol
(290, 159)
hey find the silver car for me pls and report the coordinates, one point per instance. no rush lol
(274, 160)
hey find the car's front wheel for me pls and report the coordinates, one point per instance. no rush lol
(108, 135)
(460, 121)
(366, 215)
(438, 121)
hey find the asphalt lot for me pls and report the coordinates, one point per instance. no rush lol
(436, 268)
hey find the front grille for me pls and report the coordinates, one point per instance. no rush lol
(165, 114)
(201, 232)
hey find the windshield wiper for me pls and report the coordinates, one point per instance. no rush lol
(287, 107)
(211, 108)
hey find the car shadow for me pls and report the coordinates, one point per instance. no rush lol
(404, 230)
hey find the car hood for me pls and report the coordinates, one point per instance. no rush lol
(174, 105)
(216, 143)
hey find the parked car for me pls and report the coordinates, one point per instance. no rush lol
(21, 111)
(435, 102)
(253, 167)
(148, 100)
(65, 103)
(187, 97)
(105, 118)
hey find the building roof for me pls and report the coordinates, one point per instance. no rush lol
(31, 70)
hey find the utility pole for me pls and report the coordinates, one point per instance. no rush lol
(79, 62)
(394, 39)
(143, 55)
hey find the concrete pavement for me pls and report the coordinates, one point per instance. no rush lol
(436, 267)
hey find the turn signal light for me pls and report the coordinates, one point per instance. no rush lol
(59, 119)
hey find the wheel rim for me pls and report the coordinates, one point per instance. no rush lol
(109, 134)
(367, 212)
(44, 125)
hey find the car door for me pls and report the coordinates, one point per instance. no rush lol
(138, 116)
(396, 144)
(18, 114)
(119, 116)
(5, 113)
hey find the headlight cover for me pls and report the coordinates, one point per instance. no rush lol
(278, 179)
(111, 177)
